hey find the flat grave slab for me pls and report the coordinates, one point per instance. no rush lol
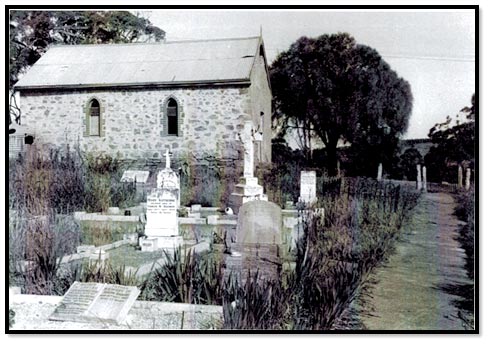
(95, 302)
(138, 176)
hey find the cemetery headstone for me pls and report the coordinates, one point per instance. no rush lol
(307, 192)
(424, 178)
(248, 188)
(460, 176)
(380, 171)
(259, 222)
(161, 209)
(96, 302)
(258, 237)
(419, 177)
(468, 178)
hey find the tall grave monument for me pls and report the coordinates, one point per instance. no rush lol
(161, 213)
(248, 188)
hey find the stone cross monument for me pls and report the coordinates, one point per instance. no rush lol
(248, 188)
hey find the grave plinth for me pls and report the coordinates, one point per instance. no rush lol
(95, 302)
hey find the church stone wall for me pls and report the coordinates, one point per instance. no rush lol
(209, 119)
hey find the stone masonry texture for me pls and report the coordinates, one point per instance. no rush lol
(133, 121)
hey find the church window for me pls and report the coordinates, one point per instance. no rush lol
(172, 117)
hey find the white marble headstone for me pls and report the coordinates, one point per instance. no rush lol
(308, 186)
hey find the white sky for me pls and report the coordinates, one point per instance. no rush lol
(434, 51)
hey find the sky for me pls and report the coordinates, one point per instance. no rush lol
(433, 51)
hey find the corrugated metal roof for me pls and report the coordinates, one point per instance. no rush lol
(181, 62)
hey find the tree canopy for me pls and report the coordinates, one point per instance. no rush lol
(32, 32)
(332, 87)
(454, 144)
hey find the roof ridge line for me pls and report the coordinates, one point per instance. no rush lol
(155, 43)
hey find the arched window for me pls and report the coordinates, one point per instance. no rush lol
(172, 117)
(94, 118)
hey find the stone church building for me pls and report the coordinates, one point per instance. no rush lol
(137, 100)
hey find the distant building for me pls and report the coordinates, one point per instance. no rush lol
(17, 139)
(191, 97)
(422, 145)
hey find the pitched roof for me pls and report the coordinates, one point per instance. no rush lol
(170, 63)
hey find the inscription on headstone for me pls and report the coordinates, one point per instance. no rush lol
(92, 302)
(308, 186)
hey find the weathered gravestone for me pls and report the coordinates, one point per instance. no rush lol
(460, 176)
(380, 172)
(257, 240)
(259, 222)
(307, 193)
(419, 177)
(95, 302)
(161, 209)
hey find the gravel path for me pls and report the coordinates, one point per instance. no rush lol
(423, 284)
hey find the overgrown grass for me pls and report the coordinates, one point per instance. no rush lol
(35, 245)
(190, 278)
(333, 260)
(465, 211)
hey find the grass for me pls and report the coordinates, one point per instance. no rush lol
(101, 232)
(129, 256)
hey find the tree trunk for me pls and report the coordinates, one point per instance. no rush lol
(332, 157)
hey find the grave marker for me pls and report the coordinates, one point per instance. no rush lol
(460, 176)
(95, 302)
(259, 222)
(307, 192)
(138, 176)
(419, 177)
(161, 209)
(468, 178)
(248, 188)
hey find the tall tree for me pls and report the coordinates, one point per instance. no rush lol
(336, 89)
(32, 32)
(454, 144)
